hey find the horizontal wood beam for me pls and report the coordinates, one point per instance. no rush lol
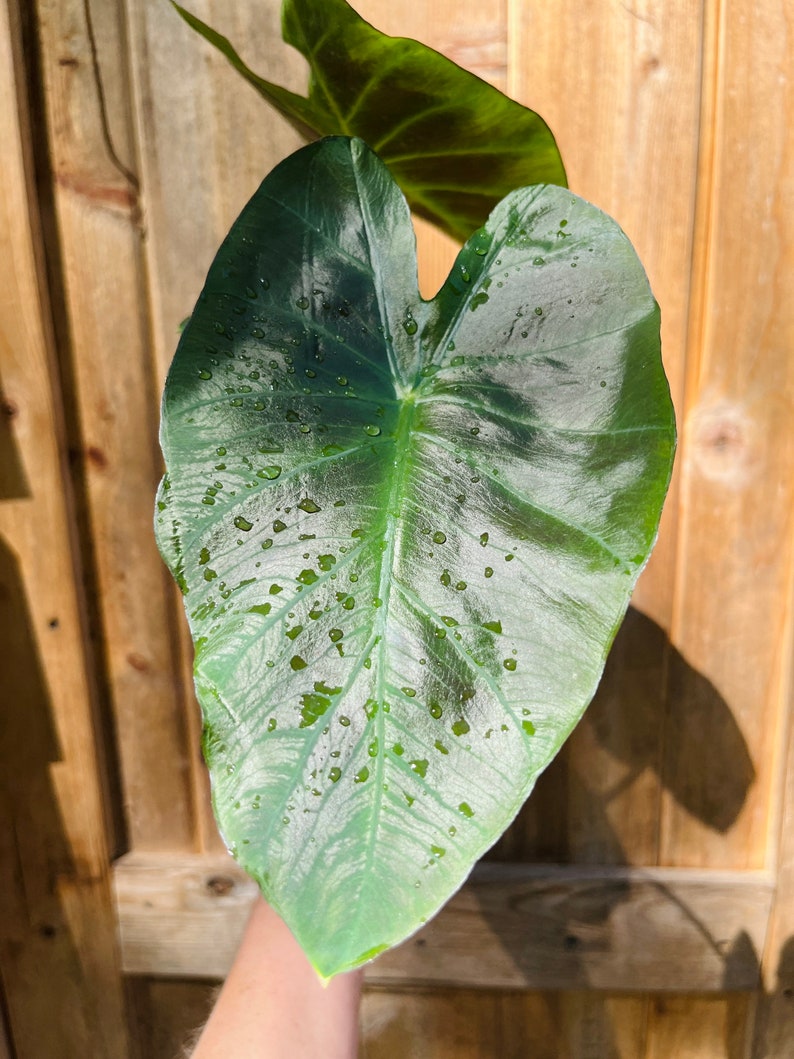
(511, 926)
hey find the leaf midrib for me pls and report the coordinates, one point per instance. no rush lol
(401, 464)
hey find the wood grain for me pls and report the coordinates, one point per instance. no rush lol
(699, 1028)
(459, 1024)
(96, 203)
(737, 457)
(734, 577)
(510, 927)
(60, 972)
(773, 1036)
(206, 141)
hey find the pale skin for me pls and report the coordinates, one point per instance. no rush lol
(274, 1006)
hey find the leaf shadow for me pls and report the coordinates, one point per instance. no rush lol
(653, 711)
(36, 861)
(775, 1013)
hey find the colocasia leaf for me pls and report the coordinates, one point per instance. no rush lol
(406, 531)
(455, 144)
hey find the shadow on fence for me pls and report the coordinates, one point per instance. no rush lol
(652, 711)
(36, 943)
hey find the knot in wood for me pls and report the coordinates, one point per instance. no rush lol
(220, 885)
(722, 444)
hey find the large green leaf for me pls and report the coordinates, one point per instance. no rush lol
(406, 531)
(455, 144)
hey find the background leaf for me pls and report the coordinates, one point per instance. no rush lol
(406, 531)
(455, 144)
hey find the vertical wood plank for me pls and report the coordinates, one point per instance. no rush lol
(737, 459)
(95, 196)
(774, 1025)
(530, 1025)
(694, 1028)
(459, 1024)
(570, 1026)
(733, 585)
(60, 969)
(206, 140)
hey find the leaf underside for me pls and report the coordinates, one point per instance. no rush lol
(406, 530)
(414, 107)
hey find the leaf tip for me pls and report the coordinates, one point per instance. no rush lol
(330, 965)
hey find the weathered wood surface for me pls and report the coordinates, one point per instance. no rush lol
(61, 982)
(105, 342)
(674, 121)
(510, 927)
(734, 577)
(773, 1032)
(736, 528)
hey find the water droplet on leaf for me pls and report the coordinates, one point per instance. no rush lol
(270, 472)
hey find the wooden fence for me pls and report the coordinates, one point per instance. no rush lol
(642, 906)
